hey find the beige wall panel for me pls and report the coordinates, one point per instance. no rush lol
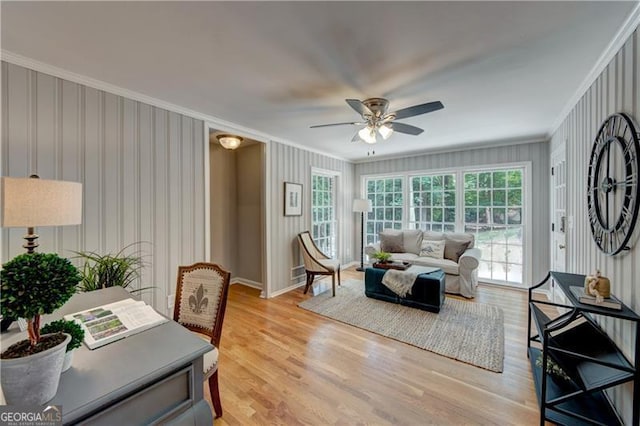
(250, 181)
(223, 207)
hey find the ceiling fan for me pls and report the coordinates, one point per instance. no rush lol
(378, 122)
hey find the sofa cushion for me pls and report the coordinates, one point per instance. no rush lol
(412, 241)
(433, 236)
(453, 249)
(408, 257)
(457, 236)
(431, 248)
(448, 266)
(391, 241)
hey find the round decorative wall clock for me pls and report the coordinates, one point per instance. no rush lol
(613, 193)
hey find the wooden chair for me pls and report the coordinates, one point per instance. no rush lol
(201, 300)
(316, 262)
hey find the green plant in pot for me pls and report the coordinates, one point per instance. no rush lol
(110, 270)
(34, 284)
(382, 256)
(554, 371)
(74, 330)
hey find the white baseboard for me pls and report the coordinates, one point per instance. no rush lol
(286, 290)
(316, 287)
(350, 264)
(248, 283)
(544, 291)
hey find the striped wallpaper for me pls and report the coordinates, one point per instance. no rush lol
(142, 170)
(617, 89)
(290, 164)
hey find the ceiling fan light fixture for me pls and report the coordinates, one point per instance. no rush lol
(229, 141)
(368, 135)
(385, 131)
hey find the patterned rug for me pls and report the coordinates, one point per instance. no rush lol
(466, 331)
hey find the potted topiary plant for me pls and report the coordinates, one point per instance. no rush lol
(74, 330)
(34, 284)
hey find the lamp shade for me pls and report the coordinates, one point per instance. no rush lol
(362, 206)
(368, 135)
(29, 202)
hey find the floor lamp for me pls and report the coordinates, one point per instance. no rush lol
(31, 202)
(362, 207)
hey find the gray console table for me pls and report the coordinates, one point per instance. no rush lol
(151, 377)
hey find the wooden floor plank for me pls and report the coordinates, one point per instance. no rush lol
(280, 364)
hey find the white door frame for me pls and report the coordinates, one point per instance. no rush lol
(558, 208)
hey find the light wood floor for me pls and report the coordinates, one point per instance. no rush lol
(280, 364)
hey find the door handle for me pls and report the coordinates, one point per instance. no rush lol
(561, 246)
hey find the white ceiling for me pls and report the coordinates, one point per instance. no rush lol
(504, 70)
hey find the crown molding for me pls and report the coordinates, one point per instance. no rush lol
(456, 148)
(45, 68)
(626, 30)
(211, 121)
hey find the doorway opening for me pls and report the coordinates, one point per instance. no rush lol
(237, 208)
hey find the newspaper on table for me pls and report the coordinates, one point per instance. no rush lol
(108, 323)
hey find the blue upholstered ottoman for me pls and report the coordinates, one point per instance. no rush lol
(427, 293)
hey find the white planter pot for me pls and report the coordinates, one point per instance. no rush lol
(68, 359)
(33, 379)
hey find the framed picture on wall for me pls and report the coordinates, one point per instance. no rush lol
(292, 199)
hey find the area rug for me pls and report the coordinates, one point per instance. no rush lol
(466, 331)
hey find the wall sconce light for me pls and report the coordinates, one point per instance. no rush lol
(229, 141)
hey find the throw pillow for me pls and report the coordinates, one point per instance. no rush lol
(391, 241)
(434, 249)
(412, 241)
(453, 249)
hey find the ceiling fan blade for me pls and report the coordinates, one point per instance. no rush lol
(360, 108)
(336, 124)
(405, 128)
(418, 109)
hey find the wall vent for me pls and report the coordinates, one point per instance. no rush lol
(297, 273)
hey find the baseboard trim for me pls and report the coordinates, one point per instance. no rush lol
(247, 282)
(545, 292)
(286, 290)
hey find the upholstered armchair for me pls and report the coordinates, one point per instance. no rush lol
(316, 262)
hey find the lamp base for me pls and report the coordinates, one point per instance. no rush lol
(360, 269)
(31, 238)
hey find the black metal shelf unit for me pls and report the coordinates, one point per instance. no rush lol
(593, 362)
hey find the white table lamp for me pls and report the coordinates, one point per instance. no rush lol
(31, 202)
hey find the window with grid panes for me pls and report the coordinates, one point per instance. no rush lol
(493, 211)
(387, 199)
(323, 213)
(432, 202)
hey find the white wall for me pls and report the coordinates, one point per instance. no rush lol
(142, 170)
(536, 153)
(617, 89)
(290, 164)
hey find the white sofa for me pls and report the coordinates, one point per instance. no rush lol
(461, 277)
